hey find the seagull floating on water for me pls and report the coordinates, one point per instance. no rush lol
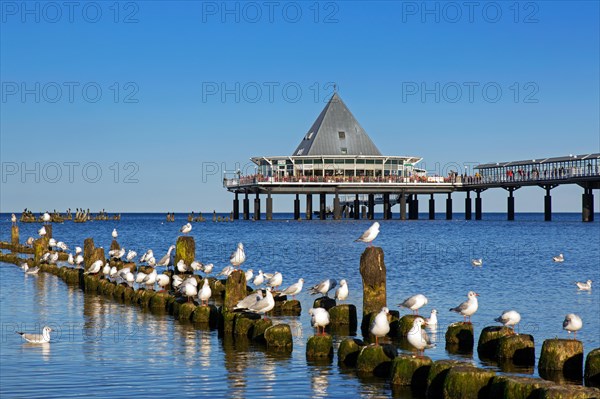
(509, 318)
(32, 270)
(477, 262)
(559, 259)
(415, 303)
(186, 228)
(380, 325)
(324, 287)
(417, 336)
(587, 286)
(319, 317)
(432, 320)
(572, 323)
(42, 338)
(370, 234)
(342, 292)
(469, 307)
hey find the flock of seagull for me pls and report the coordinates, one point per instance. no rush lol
(187, 286)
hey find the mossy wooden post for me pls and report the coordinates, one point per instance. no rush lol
(88, 251)
(185, 249)
(348, 351)
(48, 228)
(405, 324)
(520, 349)
(235, 289)
(410, 371)
(437, 375)
(14, 235)
(40, 246)
(554, 391)
(343, 315)
(376, 360)
(279, 337)
(467, 382)
(488, 340)
(459, 337)
(564, 355)
(114, 245)
(319, 347)
(324, 302)
(513, 387)
(373, 272)
(592, 369)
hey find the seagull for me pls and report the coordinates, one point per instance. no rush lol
(61, 245)
(276, 280)
(186, 228)
(106, 270)
(227, 270)
(477, 262)
(259, 279)
(30, 241)
(130, 255)
(189, 289)
(113, 272)
(208, 269)
(264, 305)
(145, 257)
(432, 320)
(52, 243)
(167, 260)
(319, 317)
(78, 260)
(196, 266)
(587, 286)
(238, 256)
(249, 300)
(70, 260)
(129, 278)
(342, 292)
(177, 281)
(42, 338)
(249, 274)
(24, 266)
(95, 267)
(370, 234)
(559, 259)
(46, 217)
(182, 267)
(114, 233)
(42, 231)
(78, 250)
(205, 293)
(13, 219)
(380, 325)
(293, 289)
(415, 303)
(324, 287)
(150, 279)
(139, 277)
(418, 338)
(469, 307)
(33, 270)
(572, 323)
(117, 253)
(509, 318)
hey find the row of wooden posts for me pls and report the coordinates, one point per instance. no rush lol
(560, 358)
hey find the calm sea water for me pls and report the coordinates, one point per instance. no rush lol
(103, 348)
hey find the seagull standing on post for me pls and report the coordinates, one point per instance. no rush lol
(186, 228)
(238, 256)
(369, 235)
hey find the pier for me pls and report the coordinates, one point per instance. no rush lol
(337, 158)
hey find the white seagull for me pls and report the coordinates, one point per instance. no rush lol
(114, 233)
(572, 323)
(42, 231)
(342, 292)
(42, 338)
(380, 325)
(319, 317)
(33, 270)
(227, 270)
(205, 293)
(167, 260)
(264, 305)
(238, 256)
(324, 287)
(559, 259)
(469, 307)
(186, 228)
(259, 279)
(477, 262)
(418, 338)
(370, 234)
(95, 267)
(249, 274)
(276, 280)
(13, 219)
(415, 303)
(587, 286)
(46, 217)
(130, 255)
(182, 267)
(208, 268)
(249, 300)
(78, 260)
(432, 320)
(78, 250)
(509, 318)
(189, 289)
(70, 260)
(293, 289)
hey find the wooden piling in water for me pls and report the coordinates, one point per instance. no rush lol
(459, 337)
(563, 355)
(185, 249)
(14, 235)
(592, 369)
(319, 347)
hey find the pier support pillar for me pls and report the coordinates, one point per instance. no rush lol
(309, 207)
(449, 207)
(402, 206)
(511, 205)
(468, 206)
(236, 207)
(431, 208)
(297, 207)
(246, 207)
(547, 204)
(269, 207)
(371, 206)
(363, 209)
(356, 208)
(337, 210)
(322, 210)
(386, 206)
(587, 201)
(257, 207)
(478, 205)
(414, 208)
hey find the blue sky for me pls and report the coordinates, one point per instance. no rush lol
(141, 106)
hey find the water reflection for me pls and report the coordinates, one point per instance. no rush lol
(42, 349)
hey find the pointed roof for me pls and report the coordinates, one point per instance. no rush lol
(336, 132)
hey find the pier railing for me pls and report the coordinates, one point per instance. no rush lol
(256, 179)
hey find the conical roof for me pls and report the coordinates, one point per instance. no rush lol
(336, 132)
